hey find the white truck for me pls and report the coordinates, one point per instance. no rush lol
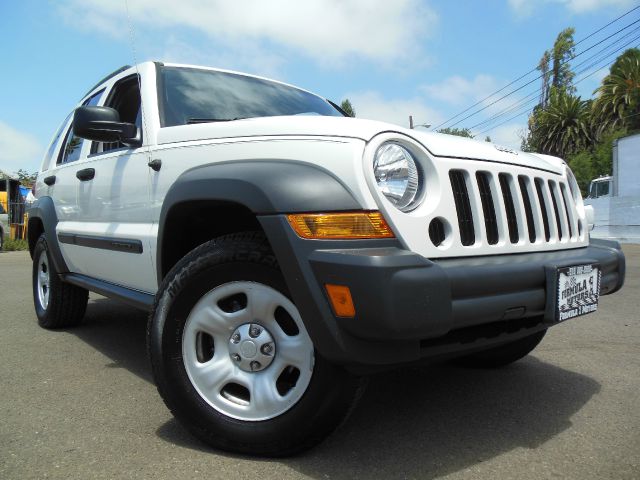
(284, 250)
(616, 198)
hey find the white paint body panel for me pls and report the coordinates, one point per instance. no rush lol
(125, 198)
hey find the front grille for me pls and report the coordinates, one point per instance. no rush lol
(532, 208)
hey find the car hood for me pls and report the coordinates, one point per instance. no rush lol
(437, 144)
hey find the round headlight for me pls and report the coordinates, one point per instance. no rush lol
(397, 175)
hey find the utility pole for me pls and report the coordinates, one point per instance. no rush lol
(411, 122)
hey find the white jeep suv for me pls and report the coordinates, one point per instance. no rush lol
(284, 250)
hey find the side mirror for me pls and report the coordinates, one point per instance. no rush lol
(102, 124)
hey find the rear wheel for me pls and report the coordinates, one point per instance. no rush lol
(232, 357)
(57, 304)
(504, 354)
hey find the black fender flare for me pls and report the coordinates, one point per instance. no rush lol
(44, 209)
(265, 187)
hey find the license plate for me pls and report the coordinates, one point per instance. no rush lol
(578, 291)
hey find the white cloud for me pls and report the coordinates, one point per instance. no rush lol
(327, 31)
(372, 106)
(18, 150)
(246, 57)
(458, 90)
(524, 8)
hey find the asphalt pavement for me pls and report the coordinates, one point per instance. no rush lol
(81, 404)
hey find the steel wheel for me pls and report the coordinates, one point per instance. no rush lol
(43, 280)
(246, 351)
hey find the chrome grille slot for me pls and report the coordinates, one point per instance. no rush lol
(509, 207)
(568, 208)
(463, 207)
(543, 208)
(526, 200)
(488, 208)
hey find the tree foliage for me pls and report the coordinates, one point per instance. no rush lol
(592, 163)
(563, 51)
(348, 108)
(618, 97)
(583, 131)
(25, 178)
(564, 127)
(460, 132)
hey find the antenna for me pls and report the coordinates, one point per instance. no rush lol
(132, 40)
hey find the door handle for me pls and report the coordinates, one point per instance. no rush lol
(86, 174)
(50, 180)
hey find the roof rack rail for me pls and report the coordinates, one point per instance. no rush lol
(112, 74)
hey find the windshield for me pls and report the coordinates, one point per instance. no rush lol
(192, 95)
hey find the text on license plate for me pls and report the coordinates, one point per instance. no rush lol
(578, 291)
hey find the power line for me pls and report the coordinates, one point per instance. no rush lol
(539, 77)
(531, 71)
(580, 80)
(535, 93)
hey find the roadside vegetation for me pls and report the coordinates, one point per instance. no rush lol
(11, 245)
(583, 131)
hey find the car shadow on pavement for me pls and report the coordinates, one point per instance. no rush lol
(414, 422)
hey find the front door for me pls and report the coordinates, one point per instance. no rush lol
(109, 237)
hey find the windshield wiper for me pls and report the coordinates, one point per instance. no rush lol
(211, 120)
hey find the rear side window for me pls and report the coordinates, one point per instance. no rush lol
(72, 144)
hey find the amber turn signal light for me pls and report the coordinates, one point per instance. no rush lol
(340, 226)
(341, 300)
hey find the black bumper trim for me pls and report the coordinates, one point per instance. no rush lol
(403, 300)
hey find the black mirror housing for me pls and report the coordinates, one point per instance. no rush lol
(102, 124)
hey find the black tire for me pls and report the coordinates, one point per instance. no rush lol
(66, 303)
(241, 257)
(503, 355)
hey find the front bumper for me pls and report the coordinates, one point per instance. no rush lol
(409, 307)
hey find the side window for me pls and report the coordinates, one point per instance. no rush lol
(72, 144)
(54, 143)
(125, 98)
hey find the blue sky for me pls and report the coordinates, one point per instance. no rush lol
(426, 58)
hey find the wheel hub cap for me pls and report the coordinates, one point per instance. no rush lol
(252, 347)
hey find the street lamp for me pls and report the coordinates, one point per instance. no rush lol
(412, 126)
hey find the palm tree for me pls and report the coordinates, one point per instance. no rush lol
(564, 127)
(618, 101)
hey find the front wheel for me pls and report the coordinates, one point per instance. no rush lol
(232, 358)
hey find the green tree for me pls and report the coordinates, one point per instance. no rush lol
(460, 132)
(564, 127)
(348, 108)
(545, 75)
(595, 162)
(618, 97)
(487, 139)
(27, 179)
(562, 52)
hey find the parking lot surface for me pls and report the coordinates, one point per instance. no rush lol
(81, 404)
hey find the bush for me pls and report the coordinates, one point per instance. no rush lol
(15, 245)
